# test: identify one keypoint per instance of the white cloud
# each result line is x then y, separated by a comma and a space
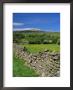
17, 24
18, 29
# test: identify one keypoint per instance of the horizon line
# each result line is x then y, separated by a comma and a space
38, 29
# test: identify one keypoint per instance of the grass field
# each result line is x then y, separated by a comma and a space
35, 48
21, 70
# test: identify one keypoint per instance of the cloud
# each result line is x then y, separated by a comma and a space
17, 24
22, 29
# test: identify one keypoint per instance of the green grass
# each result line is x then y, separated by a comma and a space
35, 48
22, 70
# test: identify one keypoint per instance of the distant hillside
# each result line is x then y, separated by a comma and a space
33, 31
29, 31
36, 37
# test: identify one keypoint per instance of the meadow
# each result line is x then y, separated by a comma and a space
20, 69
35, 48
34, 42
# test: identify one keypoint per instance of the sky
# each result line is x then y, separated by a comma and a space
40, 21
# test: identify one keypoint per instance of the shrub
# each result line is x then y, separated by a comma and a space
45, 42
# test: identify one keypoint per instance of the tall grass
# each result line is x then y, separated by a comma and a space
22, 70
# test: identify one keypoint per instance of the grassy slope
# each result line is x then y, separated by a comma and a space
35, 48
21, 70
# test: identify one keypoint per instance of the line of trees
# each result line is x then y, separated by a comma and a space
36, 38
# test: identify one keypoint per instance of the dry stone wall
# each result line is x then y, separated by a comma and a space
45, 63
